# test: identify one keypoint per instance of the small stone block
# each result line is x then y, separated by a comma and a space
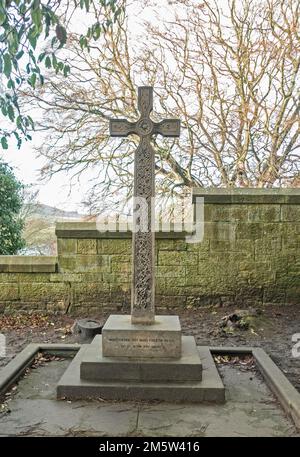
88, 328
121, 338
95, 367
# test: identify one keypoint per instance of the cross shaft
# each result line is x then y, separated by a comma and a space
143, 234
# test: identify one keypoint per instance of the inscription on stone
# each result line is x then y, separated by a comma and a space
140, 343
120, 338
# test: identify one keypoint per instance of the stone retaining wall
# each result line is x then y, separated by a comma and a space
249, 256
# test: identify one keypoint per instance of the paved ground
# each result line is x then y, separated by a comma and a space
250, 410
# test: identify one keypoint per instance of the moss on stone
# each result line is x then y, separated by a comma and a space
86, 247
249, 255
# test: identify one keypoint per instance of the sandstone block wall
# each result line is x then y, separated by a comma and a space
249, 255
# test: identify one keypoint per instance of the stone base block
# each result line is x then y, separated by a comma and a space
210, 389
95, 367
121, 338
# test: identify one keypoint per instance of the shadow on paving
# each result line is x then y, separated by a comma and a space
250, 410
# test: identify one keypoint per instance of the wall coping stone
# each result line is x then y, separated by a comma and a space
247, 195
88, 230
27, 264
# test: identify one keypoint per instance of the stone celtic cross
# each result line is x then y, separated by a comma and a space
143, 234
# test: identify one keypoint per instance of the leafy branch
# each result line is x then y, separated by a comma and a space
24, 25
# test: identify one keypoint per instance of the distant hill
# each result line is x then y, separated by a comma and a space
39, 230
41, 211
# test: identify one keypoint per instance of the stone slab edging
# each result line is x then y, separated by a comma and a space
289, 196
287, 395
279, 384
89, 230
16, 367
27, 264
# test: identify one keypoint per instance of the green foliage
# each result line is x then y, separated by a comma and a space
11, 200
24, 24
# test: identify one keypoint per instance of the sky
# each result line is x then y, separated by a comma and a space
26, 163
54, 192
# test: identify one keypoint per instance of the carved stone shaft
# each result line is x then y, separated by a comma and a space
143, 237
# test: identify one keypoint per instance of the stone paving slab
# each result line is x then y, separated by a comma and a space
250, 410
44, 417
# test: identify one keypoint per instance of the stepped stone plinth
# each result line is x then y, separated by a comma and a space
96, 367
191, 378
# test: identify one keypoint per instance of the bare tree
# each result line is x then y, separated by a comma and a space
237, 90
40, 237
229, 70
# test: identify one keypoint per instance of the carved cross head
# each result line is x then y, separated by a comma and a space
145, 127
